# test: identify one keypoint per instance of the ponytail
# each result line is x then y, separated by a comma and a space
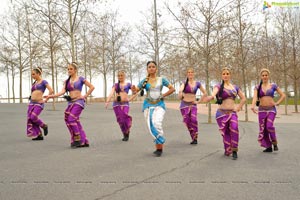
118, 90
144, 85
185, 84
67, 97
67, 82
258, 91
219, 95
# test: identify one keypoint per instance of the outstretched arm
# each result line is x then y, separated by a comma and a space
109, 96
254, 101
63, 90
135, 92
204, 94
50, 92
180, 93
49, 89
212, 96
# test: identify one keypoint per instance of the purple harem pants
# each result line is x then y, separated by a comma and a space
121, 110
33, 122
72, 114
189, 114
266, 117
228, 126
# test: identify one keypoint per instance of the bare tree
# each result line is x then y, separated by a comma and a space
202, 26
242, 30
281, 18
116, 36
153, 36
8, 59
15, 39
294, 40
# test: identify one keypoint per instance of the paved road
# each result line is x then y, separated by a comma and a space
112, 169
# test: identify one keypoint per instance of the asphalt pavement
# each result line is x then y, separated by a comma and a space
113, 169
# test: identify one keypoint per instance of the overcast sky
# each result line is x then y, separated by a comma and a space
132, 11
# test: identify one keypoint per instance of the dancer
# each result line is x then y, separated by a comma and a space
188, 105
264, 99
154, 106
36, 105
76, 103
121, 104
226, 114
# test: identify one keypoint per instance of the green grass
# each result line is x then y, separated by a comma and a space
290, 101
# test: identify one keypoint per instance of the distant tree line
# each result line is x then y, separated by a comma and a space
204, 34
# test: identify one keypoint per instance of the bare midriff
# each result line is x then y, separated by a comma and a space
37, 96
189, 97
227, 104
75, 94
124, 97
266, 101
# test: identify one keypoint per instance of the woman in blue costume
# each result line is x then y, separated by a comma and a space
154, 106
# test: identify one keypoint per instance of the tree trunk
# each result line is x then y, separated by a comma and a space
296, 96
242, 57
8, 86
13, 82
71, 31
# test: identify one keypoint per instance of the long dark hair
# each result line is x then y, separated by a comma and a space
185, 84
67, 82
219, 94
67, 97
144, 84
118, 90
258, 91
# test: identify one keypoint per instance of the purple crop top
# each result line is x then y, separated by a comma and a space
77, 85
124, 88
229, 93
192, 90
39, 86
270, 92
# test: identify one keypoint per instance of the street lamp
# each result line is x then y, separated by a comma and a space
156, 56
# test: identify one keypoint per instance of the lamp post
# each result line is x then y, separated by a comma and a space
156, 50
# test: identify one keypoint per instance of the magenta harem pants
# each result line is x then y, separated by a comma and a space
124, 120
267, 135
228, 126
72, 114
33, 121
189, 114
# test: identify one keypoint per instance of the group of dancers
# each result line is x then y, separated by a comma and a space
154, 107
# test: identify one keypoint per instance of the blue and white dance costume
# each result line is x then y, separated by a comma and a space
154, 109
